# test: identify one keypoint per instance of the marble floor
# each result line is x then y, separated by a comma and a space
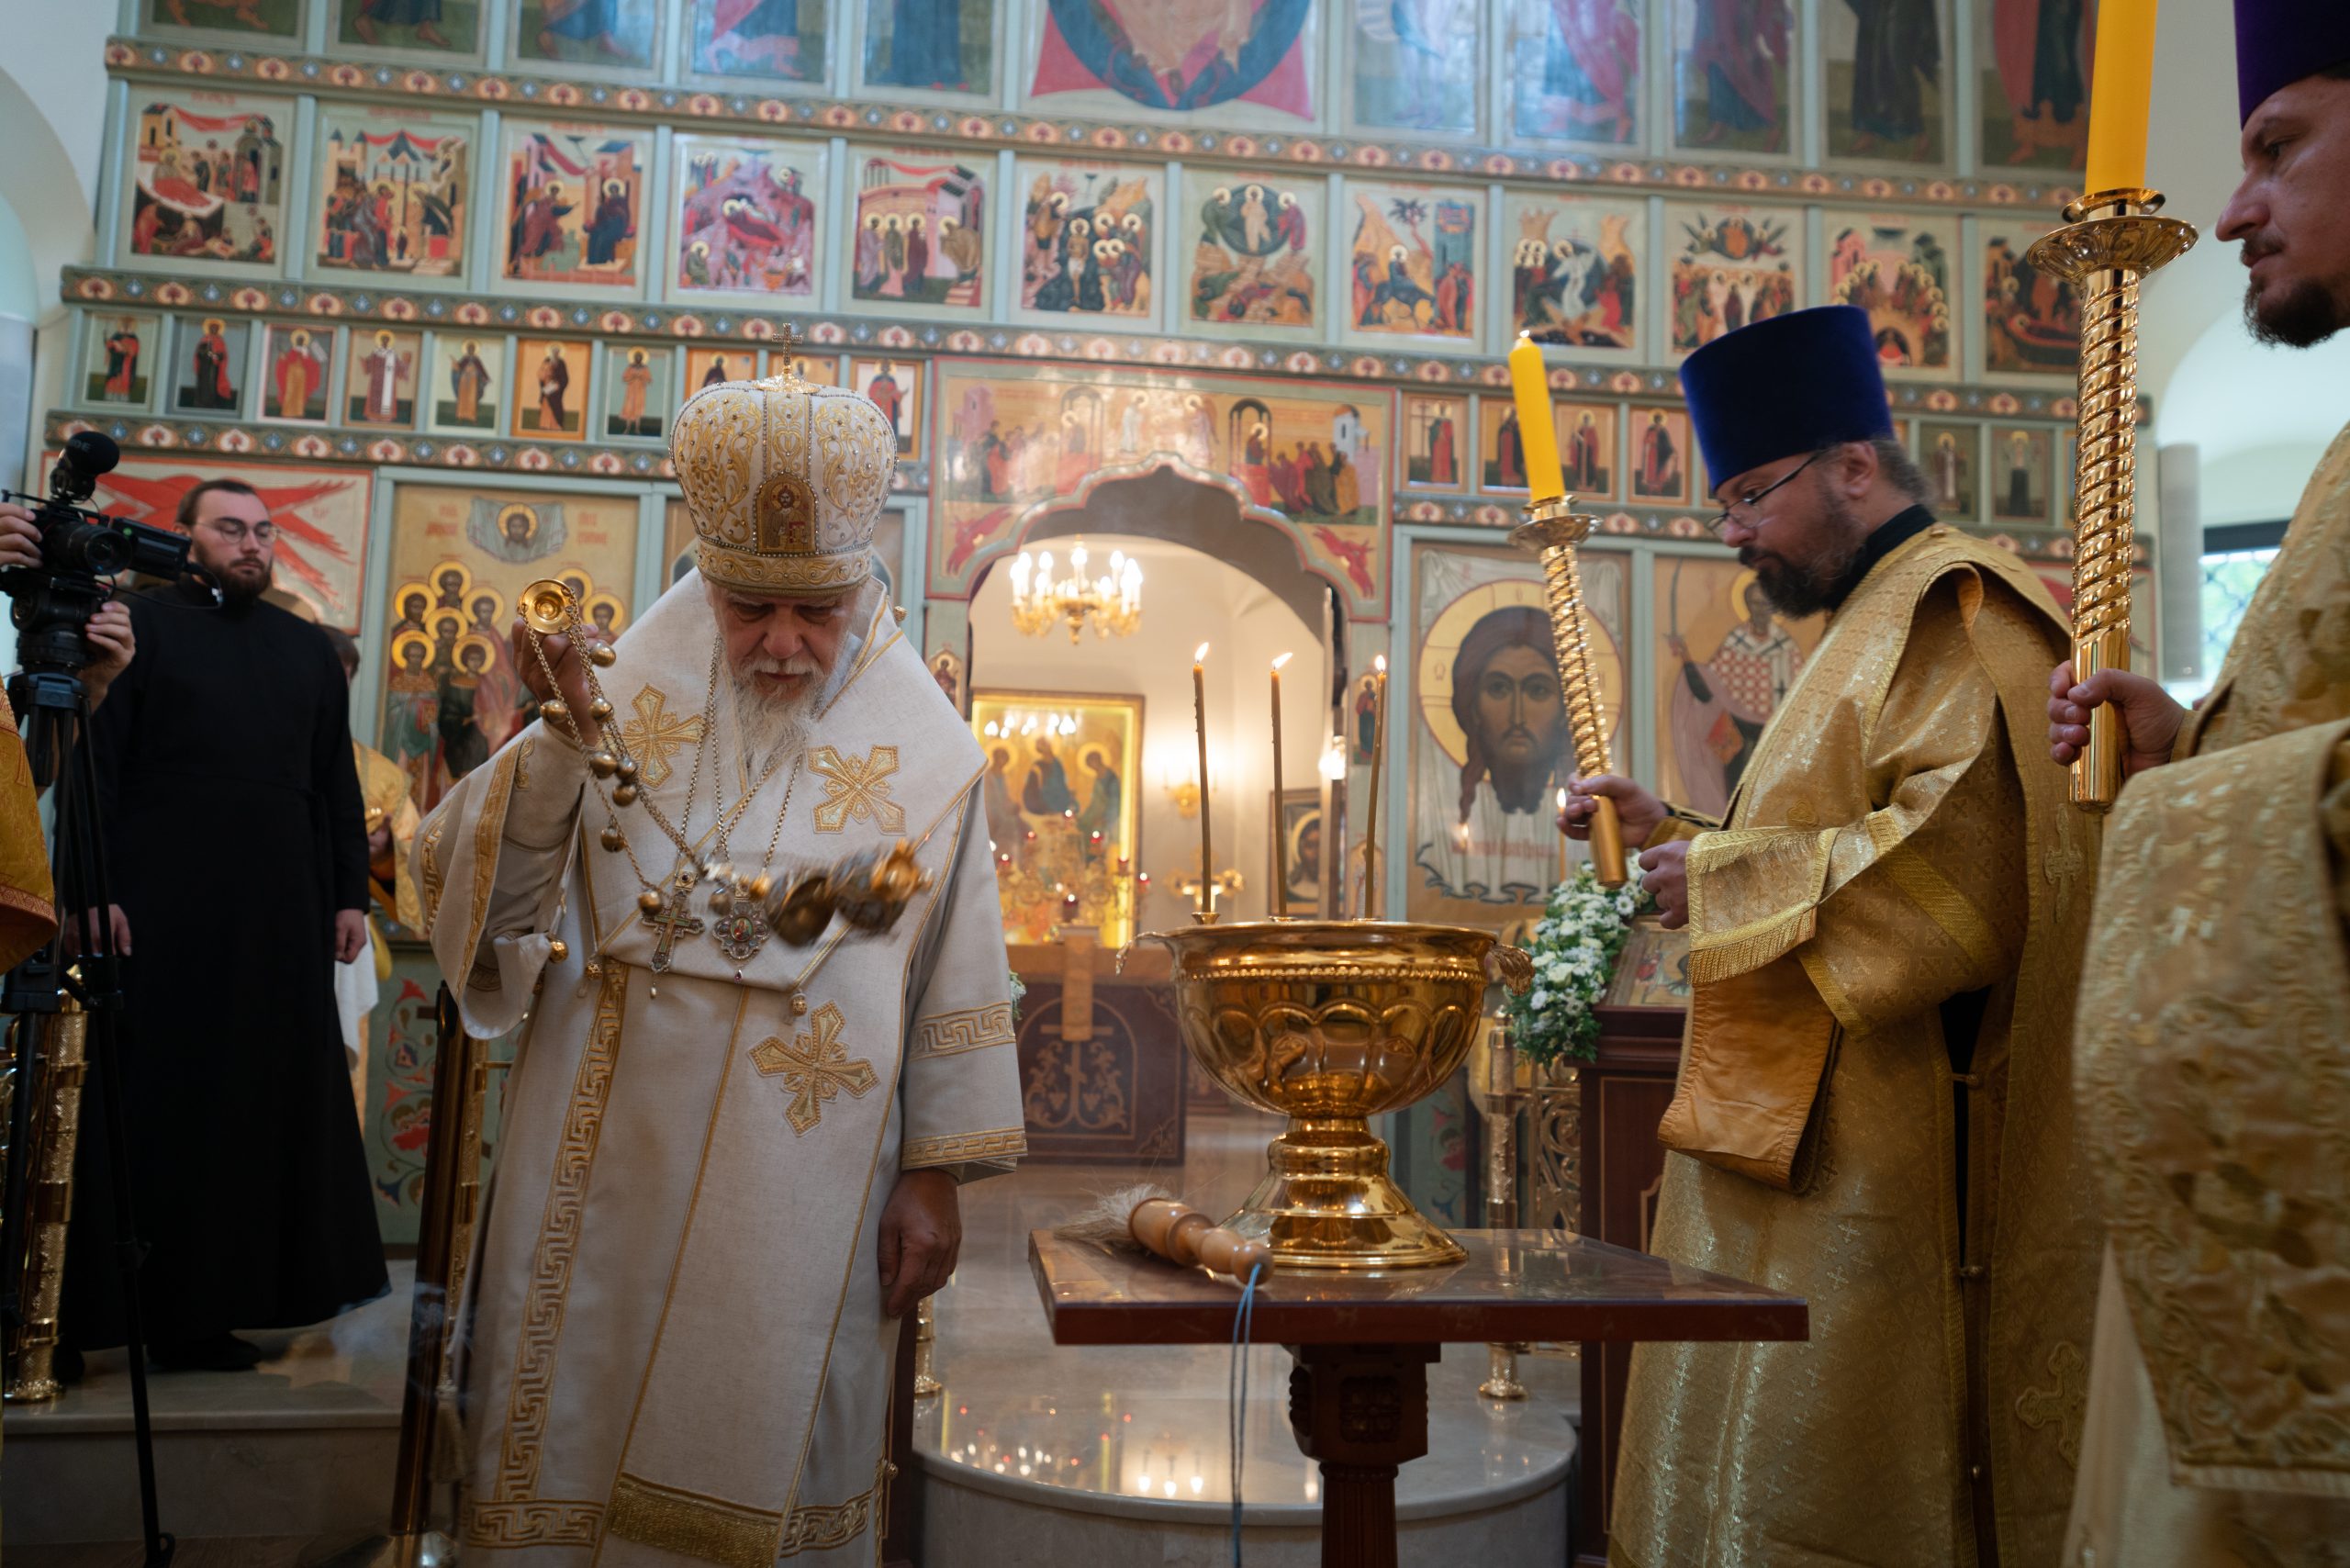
301, 1451
1111, 1427
301, 1446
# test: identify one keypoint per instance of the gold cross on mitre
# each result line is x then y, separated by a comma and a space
815, 1067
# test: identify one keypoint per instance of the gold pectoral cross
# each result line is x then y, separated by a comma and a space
815, 1067
674, 921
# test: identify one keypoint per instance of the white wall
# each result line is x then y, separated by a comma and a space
1188, 599
2260, 416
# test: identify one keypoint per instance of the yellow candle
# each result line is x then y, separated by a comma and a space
1544, 479
1281, 835
2118, 94
1378, 758
1199, 722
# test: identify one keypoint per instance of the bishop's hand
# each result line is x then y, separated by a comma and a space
2150, 717
570, 681
922, 1233
1636, 808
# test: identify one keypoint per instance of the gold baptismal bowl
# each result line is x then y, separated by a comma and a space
1330, 1022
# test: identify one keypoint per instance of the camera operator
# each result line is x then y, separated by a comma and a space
231, 808
110, 631
27, 916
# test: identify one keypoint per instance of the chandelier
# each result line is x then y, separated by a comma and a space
1113, 603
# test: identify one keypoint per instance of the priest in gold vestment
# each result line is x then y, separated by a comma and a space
729, 1161
1874, 1109
2215, 1004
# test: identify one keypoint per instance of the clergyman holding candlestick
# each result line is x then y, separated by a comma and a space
2213, 995
1874, 1107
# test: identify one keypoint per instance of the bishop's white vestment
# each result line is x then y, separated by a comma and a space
676, 1350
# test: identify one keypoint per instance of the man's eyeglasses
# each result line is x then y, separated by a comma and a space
1720, 522
234, 531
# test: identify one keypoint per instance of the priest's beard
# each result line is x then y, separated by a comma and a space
773, 727
2299, 317
1798, 589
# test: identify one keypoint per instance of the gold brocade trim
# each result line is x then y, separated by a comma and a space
973, 1029
1717, 956
961, 1147
1927, 888
523, 761
824, 1526
430, 856
541, 1521
856, 787
805, 574
535, 1348
490, 831
1832, 993
692, 1525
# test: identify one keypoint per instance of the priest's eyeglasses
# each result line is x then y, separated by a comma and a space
1720, 522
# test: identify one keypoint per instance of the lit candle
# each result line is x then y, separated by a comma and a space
1378, 756
2120, 93
1544, 479
1207, 911
1563, 837
1281, 837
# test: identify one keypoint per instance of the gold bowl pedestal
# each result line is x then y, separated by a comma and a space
1330, 1023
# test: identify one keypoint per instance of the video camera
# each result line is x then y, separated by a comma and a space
80, 550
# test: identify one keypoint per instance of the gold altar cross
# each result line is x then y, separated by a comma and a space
815, 1067
674, 921
858, 787
655, 735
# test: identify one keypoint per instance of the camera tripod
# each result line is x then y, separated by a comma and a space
54, 708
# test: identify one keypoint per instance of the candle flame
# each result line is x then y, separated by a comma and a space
1199, 652
1282, 660
1562, 797
1379, 664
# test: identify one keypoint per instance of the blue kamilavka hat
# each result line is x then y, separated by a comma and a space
1788, 384
2280, 41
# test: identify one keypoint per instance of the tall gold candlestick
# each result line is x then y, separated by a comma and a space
1370, 808
1280, 836
2110, 241
1553, 530
1205, 913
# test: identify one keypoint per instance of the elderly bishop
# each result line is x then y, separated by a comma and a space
730, 1160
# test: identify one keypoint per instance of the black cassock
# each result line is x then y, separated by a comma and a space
234, 832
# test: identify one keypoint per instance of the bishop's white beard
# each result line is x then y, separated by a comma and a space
772, 728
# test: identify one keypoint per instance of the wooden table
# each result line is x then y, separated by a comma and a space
1358, 1391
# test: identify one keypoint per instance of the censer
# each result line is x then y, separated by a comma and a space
869, 889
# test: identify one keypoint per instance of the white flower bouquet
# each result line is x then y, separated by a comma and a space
1574, 946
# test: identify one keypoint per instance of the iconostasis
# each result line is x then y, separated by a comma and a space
434, 275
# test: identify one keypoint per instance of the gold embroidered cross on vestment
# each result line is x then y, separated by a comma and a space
815, 1067
655, 735
858, 787
2064, 862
